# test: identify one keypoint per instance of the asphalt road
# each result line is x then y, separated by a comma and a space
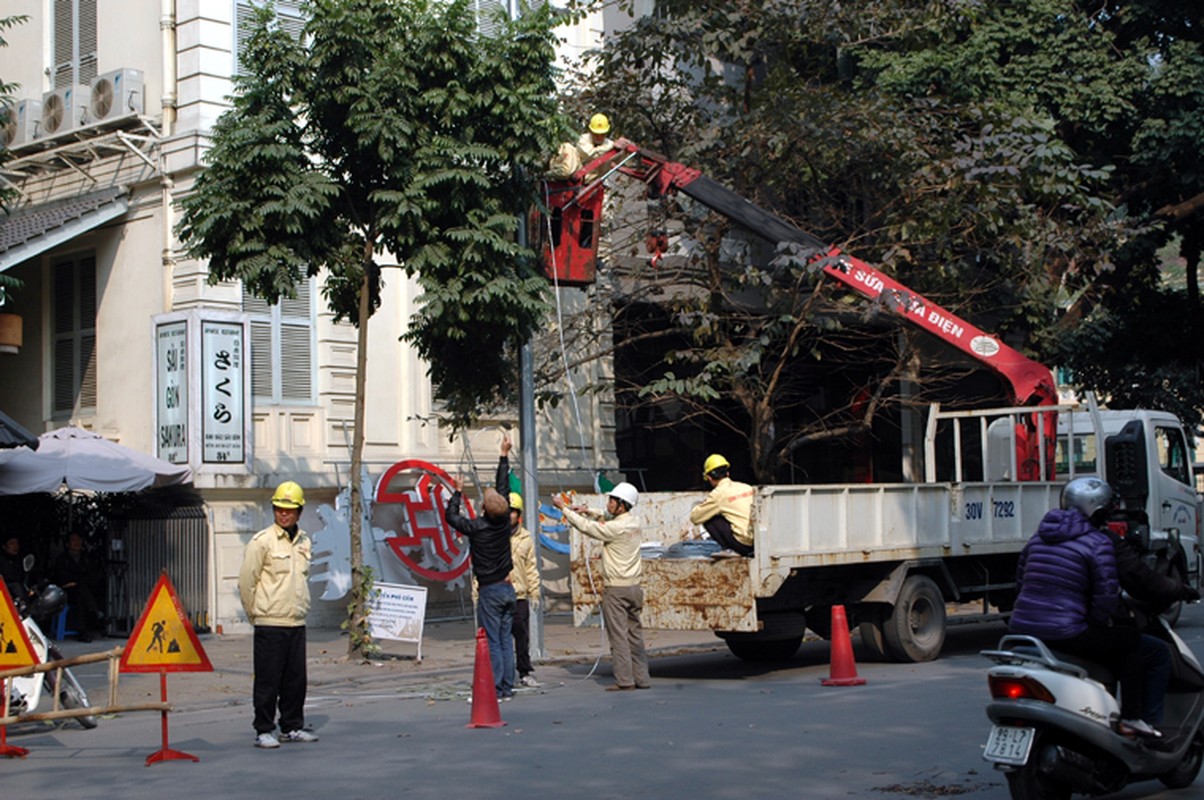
712, 727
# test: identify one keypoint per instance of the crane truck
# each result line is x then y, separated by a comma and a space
896, 556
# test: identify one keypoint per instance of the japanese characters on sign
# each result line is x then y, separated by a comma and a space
223, 364
171, 391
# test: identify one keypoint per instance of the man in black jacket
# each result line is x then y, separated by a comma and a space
1144, 584
489, 548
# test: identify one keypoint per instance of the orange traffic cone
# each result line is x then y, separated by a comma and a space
843, 670
485, 712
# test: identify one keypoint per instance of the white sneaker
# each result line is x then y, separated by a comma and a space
1138, 727
529, 680
298, 736
267, 741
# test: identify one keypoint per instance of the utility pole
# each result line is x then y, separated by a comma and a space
528, 441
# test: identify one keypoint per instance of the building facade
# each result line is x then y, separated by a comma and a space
124, 335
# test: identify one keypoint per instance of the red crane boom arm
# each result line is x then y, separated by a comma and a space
1031, 383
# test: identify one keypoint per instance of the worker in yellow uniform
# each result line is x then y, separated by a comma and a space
273, 585
595, 141
726, 512
592, 143
525, 577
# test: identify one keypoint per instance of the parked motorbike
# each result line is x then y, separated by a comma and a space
27, 692
1055, 729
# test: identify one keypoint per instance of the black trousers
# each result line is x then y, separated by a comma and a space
280, 680
721, 531
1117, 647
522, 638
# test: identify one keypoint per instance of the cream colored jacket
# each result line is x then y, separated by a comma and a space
273, 583
620, 537
525, 575
733, 500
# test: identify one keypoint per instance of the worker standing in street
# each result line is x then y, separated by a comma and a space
622, 597
273, 586
726, 512
525, 577
489, 548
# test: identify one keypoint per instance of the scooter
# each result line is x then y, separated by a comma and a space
1056, 725
28, 691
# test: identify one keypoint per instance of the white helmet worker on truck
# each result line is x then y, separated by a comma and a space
726, 512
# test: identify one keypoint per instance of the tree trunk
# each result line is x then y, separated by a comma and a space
357, 620
1190, 250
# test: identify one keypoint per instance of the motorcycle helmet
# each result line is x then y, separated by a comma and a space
48, 603
1088, 496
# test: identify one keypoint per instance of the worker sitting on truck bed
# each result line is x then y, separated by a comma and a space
726, 511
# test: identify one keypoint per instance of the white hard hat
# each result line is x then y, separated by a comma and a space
625, 492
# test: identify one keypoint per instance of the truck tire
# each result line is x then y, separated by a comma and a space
871, 623
915, 629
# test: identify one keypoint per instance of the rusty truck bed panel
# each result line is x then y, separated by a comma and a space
679, 594
797, 527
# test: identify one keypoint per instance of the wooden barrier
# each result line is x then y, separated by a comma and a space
57, 712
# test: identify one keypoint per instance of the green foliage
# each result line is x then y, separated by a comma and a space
391, 129
1018, 163
1134, 357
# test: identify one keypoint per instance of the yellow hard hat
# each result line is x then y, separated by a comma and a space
288, 495
516, 501
598, 123
714, 461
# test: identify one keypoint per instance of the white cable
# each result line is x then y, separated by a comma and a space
580, 425
564, 359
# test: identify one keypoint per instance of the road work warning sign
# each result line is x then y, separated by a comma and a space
15, 648
164, 639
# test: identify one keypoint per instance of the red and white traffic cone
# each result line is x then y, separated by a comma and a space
843, 670
485, 711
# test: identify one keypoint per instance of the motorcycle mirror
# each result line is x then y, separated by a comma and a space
27, 562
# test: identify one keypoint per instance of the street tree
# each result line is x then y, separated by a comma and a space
929, 139
392, 132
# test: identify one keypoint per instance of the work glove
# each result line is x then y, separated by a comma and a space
1189, 593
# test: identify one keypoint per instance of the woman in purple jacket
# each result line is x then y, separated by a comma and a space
1069, 594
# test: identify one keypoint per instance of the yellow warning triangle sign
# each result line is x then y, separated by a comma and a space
15, 648
164, 639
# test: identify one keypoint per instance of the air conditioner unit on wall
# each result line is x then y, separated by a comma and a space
63, 110
19, 123
115, 95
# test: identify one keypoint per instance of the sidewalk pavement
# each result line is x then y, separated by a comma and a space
448, 653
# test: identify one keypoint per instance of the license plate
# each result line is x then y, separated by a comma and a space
1008, 745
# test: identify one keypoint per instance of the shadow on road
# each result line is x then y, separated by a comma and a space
965, 639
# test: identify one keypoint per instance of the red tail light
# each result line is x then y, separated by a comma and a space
1009, 688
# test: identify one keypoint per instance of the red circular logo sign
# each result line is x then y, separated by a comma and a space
428, 545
